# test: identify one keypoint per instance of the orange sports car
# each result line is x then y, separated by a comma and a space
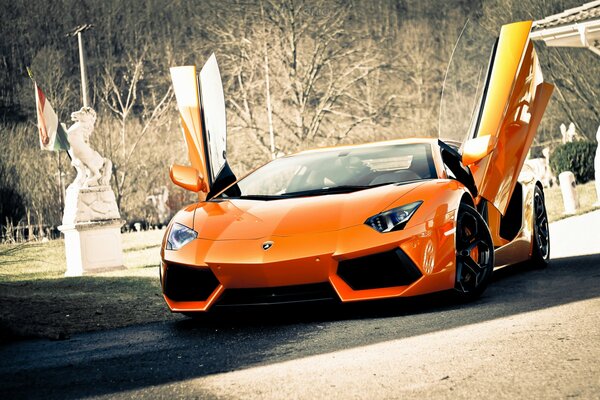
372, 221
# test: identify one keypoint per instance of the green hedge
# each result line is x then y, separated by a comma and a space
577, 157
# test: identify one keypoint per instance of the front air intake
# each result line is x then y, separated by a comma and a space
183, 283
381, 270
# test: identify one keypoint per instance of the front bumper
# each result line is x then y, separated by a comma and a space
357, 263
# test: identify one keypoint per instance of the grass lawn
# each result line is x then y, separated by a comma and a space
554, 202
37, 301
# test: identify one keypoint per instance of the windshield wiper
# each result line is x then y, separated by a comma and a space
312, 192
336, 189
328, 190
254, 197
302, 193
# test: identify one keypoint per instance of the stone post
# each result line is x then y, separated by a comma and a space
569, 192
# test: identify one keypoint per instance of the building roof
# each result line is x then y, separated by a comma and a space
586, 12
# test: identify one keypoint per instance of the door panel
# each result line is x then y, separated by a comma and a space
185, 85
201, 104
215, 120
515, 100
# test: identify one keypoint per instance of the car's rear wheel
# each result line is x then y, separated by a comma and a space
474, 254
540, 252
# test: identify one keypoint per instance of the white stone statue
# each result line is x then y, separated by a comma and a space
541, 168
92, 168
159, 204
89, 198
568, 135
91, 220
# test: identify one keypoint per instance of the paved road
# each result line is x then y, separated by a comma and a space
534, 334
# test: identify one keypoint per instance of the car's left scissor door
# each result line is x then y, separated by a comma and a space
201, 105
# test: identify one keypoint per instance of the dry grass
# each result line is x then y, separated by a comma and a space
37, 260
37, 301
554, 202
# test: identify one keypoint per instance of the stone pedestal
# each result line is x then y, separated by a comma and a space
92, 228
97, 203
93, 247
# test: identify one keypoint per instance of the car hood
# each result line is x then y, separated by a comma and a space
238, 219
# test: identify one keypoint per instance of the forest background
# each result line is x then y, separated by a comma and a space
339, 72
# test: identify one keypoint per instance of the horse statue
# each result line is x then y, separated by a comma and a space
92, 168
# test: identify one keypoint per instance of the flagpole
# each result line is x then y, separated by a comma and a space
84, 91
84, 86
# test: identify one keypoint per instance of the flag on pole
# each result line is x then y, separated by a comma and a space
53, 135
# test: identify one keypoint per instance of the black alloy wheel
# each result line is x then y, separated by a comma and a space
540, 252
474, 254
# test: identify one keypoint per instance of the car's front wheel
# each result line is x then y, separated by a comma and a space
474, 254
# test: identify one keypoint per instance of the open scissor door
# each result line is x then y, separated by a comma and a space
513, 102
201, 104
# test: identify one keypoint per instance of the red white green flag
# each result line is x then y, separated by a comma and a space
52, 134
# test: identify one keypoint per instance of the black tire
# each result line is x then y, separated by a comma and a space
540, 252
474, 254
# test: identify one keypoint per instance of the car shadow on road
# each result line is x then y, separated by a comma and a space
156, 354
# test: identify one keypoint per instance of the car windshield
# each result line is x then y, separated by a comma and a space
339, 171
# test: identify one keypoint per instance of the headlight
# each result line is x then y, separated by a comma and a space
179, 236
394, 219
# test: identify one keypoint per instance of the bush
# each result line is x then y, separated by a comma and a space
577, 157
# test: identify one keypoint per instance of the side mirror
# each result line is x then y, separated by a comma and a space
186, 177
476, 149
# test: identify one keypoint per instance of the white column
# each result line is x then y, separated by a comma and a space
569, 192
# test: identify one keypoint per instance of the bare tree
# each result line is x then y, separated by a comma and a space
319, 63
122, 95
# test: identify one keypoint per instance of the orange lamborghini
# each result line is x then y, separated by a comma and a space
380, 220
